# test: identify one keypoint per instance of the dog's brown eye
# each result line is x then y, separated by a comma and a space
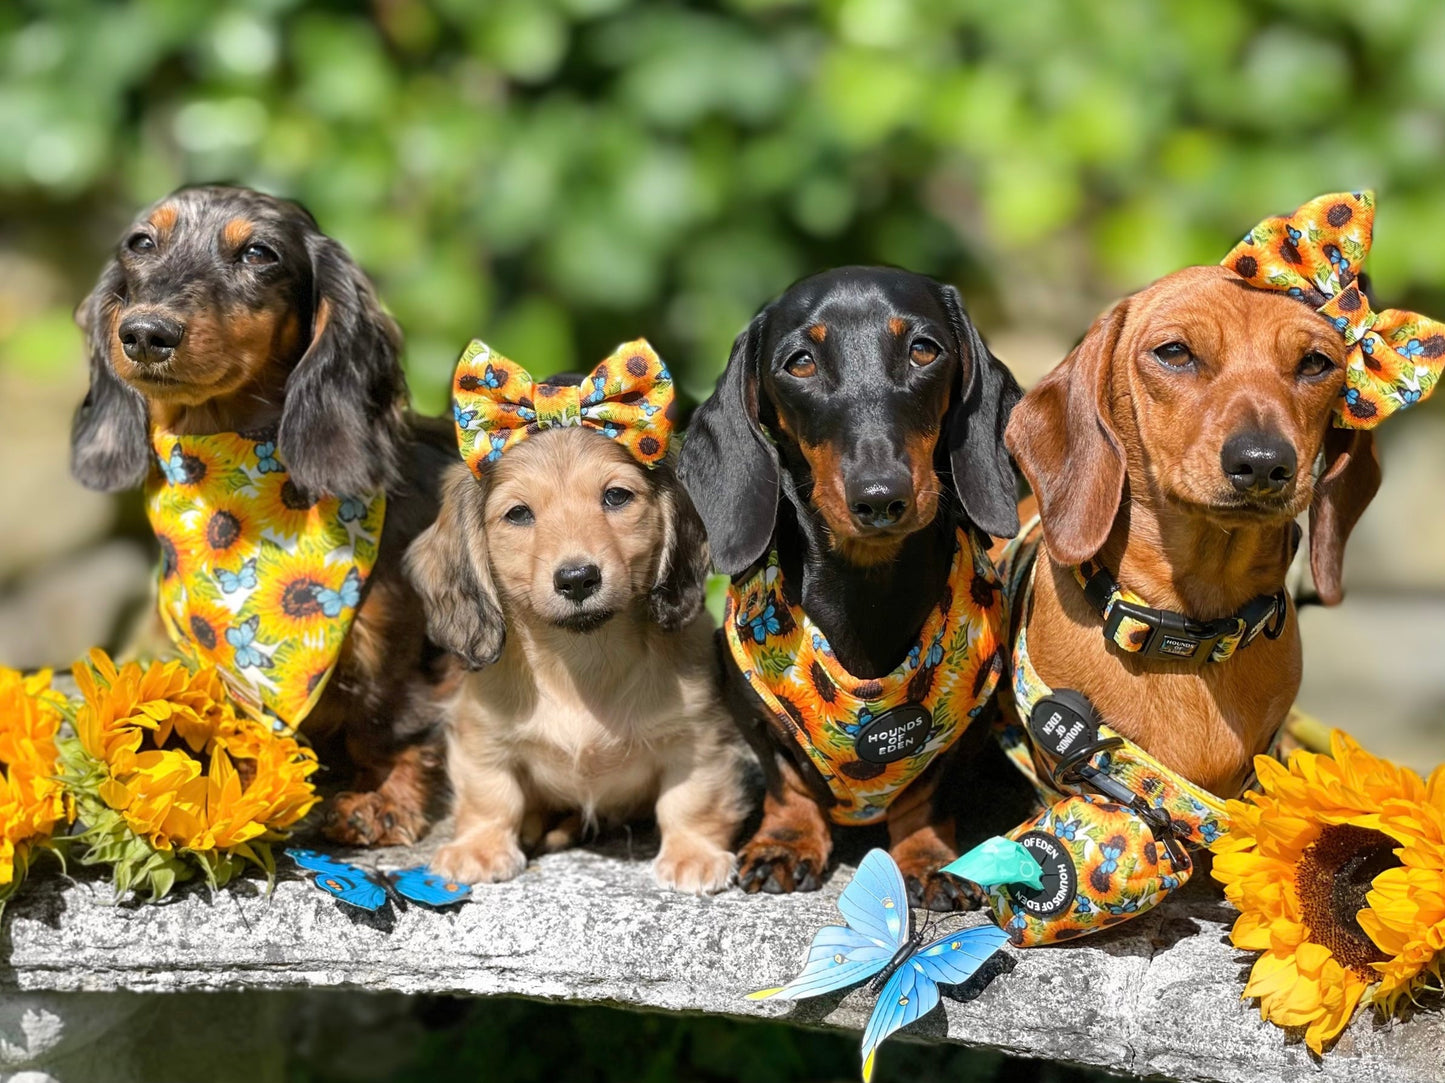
258, 254
520, 515
140, 242
1174, 354
616, 497
923, 352
1314, 364
801, 365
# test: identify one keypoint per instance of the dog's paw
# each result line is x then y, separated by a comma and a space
370, 819
694, 867
488, 859
777, 866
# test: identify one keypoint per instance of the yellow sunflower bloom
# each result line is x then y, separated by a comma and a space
1337, 866
32, 800
162, 759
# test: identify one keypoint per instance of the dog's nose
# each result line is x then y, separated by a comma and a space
880, 501
577, 582
149, 338
1260, 463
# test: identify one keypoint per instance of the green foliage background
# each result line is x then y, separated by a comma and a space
559, 175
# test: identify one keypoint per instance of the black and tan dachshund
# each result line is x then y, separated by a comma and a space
227, 310
858, 425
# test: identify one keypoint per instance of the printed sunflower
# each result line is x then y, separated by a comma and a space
169, 781
32, 800
1337, 866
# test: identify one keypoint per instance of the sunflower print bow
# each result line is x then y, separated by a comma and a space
496, 403
1314, 255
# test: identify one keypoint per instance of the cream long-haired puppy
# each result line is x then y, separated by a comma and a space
570, 579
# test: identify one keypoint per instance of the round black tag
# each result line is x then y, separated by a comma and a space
894, 734
1060, 880
1063, 721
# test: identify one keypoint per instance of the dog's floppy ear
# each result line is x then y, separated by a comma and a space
1067, 448
1350, 480
341, 425
730, 468
983, 477
448, 566
680, 585
108, 443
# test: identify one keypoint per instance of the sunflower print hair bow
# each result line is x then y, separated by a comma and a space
496, 403
1315, 255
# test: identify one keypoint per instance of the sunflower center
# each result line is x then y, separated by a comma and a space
1333, 877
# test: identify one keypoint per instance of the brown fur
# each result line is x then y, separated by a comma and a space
587, 725
818, 332
164, 217
236, 232
897, 325
1124, 458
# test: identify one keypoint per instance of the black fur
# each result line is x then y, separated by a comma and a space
752, 484
108, 445
341, 421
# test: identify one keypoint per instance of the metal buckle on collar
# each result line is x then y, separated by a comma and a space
1172, 637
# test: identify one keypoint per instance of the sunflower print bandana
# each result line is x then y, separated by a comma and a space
869, 739
1315, 255
496, 403
257, 578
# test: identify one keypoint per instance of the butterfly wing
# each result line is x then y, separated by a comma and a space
838, 957
875, 902
907, 995
913, 990
348, 883
420, 884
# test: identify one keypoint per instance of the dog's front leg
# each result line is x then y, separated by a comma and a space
490, 805
921, 840
699, 808
793, 843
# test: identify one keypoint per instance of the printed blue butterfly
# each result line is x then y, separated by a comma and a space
266, 461
878, 942
243, 638
243, 578
765, 624
332, 602
464, 418
174, 468
352, 509
354, 886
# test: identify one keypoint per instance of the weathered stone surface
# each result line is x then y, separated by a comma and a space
1158, 997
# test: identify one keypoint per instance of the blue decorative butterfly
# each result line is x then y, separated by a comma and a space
266, 461
1110, 863
356, 887
1294, 234
243, 638
765, 624
351, 509
332, 602
243, 578
878, 942
464, 418
498, 440
175, 468
492, 378
598, 392
1409, 396
1412, 348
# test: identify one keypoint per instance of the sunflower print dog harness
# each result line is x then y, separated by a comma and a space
257, 578
1115, 834
869, 739
496, 403
1314, 255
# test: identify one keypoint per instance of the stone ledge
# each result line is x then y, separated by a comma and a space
1158, 997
